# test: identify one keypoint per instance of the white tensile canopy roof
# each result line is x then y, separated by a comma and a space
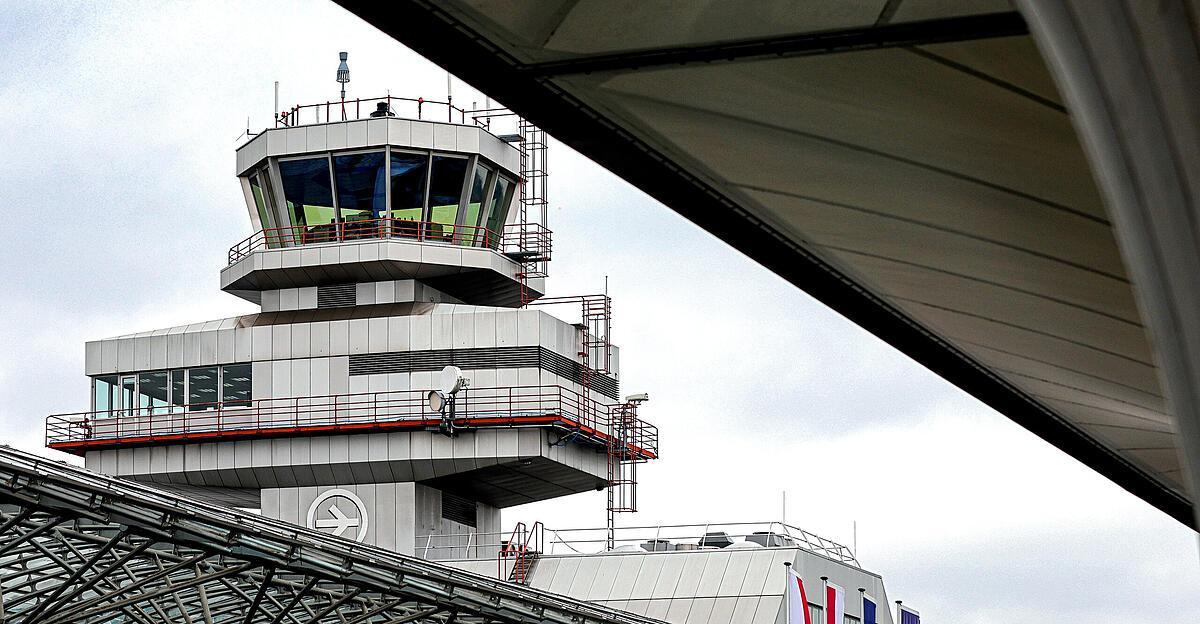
910, 163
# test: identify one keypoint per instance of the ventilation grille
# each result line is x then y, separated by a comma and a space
480, 358
566, 367
336, 296
412, 361
458, 509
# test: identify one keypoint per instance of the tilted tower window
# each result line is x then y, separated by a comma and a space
497, 212
474, 211
260, 202
308, 192
446, 181
361, 186
408, 176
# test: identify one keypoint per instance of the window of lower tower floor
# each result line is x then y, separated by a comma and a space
308, 193
446, 181
104, 393
361, 189
203, 388
164, 391
235, 385
178, 397
408, 175
153, 392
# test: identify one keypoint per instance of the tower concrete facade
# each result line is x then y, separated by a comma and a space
385, 251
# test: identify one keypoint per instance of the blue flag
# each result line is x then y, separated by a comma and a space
908, 615
868, 610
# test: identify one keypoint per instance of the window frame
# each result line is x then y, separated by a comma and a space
387, 172
112, 393
485, 213
328, 156
470, 238
425, 189
237, 404
277, 200
462, 193
511, 194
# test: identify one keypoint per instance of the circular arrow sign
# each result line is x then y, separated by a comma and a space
339, 512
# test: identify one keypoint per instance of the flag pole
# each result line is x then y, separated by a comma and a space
825, 597
787, 592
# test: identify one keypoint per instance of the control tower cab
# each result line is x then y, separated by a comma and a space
386, 249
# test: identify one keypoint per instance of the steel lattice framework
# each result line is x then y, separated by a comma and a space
78, 547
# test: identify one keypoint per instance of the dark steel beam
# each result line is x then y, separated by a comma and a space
258, 596
333, 605
416, 616
427, 28
296, 598
966, 28
100, 553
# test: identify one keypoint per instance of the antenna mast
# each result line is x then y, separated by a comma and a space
343, 77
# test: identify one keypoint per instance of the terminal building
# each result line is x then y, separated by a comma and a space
402, 385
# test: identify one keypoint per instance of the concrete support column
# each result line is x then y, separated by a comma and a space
1129, 71
404, 517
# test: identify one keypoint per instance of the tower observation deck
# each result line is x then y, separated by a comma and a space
387, 246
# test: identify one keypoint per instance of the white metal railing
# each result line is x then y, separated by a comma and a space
666, 537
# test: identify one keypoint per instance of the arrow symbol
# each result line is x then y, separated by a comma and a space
339, 523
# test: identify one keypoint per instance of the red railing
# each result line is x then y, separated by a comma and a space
522, 239
521, 406
359, 108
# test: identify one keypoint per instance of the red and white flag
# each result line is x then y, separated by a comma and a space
797, 601
835, 604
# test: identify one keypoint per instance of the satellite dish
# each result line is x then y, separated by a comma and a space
436, 400
451, 380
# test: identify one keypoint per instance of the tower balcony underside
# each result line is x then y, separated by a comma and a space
477, 275
498, 467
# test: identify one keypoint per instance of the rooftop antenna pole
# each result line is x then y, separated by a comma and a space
449, 101
784, 514
343, 77
277, 102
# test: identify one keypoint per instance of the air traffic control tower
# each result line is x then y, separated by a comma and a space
399, 379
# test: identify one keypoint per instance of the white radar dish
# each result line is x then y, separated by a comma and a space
451, 380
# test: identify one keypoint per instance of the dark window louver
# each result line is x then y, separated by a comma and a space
458, 509
336, 296
480, 358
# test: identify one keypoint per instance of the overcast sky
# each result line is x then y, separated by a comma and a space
117, 131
